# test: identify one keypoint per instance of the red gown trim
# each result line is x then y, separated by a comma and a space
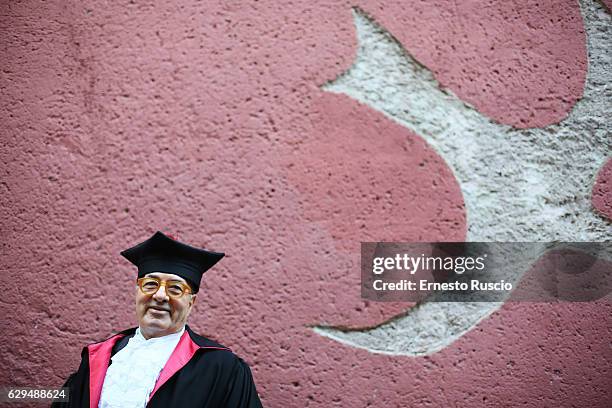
184, 350
99, 357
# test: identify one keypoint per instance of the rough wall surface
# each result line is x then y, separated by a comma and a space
531, 184
222, 123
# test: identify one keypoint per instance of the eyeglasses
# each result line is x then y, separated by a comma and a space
174, 289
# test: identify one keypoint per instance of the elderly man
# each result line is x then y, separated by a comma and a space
162, 362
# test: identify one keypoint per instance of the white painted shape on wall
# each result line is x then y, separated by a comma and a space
518, 184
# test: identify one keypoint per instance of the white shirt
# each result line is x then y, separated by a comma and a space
134, 370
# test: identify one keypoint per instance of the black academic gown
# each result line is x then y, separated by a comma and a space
199, 373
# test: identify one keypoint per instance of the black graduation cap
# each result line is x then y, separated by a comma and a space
161, 253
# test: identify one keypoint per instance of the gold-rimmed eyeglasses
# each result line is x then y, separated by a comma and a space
175, 289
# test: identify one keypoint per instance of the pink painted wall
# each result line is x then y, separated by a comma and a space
206, 120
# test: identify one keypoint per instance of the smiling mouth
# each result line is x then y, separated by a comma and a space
158, 309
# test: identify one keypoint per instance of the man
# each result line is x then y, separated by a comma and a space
162, 362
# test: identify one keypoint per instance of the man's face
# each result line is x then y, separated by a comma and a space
159, 315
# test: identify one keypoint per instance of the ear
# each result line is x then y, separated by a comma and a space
192, 300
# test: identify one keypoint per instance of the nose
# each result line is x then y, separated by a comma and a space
161, 295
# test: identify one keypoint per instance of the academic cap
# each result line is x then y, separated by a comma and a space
161, 253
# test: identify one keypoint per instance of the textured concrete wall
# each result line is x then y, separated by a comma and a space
285, 133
